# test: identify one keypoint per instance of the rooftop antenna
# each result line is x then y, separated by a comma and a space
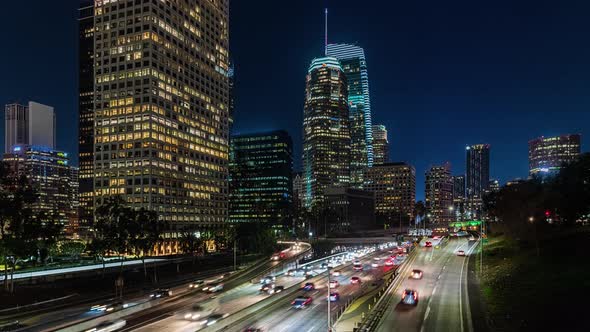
326, 32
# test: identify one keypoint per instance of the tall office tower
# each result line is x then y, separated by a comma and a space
326, 130
394, 185
439, 194
352, 59
162, 107
86, 112
477, 177
380, 145
261, 178
33, 124
358, 146
231, 85
459, 194
548, 154
48, 172
16, 126
73, 228
298, 190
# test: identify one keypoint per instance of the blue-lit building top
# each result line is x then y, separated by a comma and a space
353, 62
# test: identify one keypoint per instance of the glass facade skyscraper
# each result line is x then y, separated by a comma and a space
477, 177
261, 178
354, 65
326, 130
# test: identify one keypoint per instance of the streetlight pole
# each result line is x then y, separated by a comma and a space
235, 256
329, 301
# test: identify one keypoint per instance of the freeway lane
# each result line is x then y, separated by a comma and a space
443, 303
282, 317
163, 308
168, 315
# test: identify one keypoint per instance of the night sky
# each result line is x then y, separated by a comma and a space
442, 74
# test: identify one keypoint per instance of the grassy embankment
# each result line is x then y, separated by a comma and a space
526, 292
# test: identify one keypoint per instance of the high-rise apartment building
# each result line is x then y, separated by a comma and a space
161, 108
380, 145
354, 65
33, 124
477, 177
261, 178
439, 194
326, 130
548, 154
86, 112
49, 173
394, 185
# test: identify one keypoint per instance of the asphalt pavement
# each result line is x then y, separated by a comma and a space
282, 317
442, 292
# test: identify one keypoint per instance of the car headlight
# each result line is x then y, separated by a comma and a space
187, 316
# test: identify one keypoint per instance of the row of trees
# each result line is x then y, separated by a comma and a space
527, 210
26, 236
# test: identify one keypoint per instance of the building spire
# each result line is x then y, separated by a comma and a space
326, 32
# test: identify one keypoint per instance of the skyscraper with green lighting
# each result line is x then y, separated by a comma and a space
261, 178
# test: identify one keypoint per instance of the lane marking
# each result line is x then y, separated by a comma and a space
461, 284
434, 291
427, 313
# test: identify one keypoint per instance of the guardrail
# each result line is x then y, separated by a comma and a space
385, 296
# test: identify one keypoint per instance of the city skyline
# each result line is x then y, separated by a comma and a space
407, 101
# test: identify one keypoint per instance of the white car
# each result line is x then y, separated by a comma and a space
336, 273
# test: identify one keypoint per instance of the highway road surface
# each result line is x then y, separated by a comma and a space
282, 317
182, 297
443, 303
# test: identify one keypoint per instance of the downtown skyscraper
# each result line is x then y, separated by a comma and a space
160, 114
439, 194
477, 176
326, 130
354, 65
261, 178
86, 112
380, 145
548, 154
